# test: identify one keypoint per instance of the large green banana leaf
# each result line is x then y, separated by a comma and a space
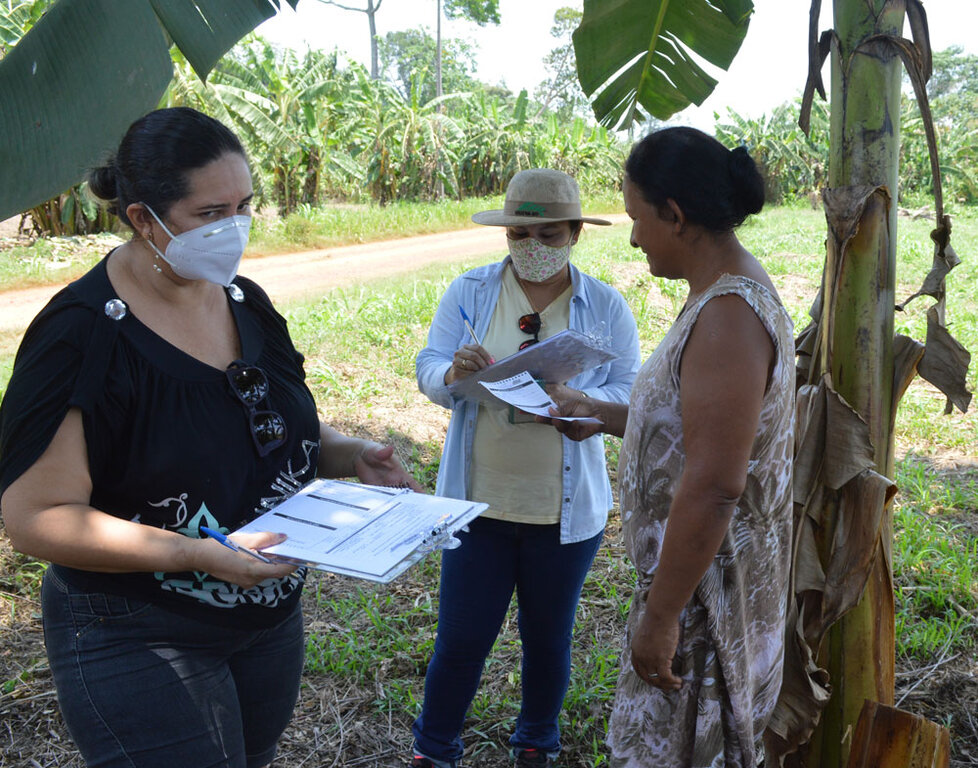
87, 69
634, 56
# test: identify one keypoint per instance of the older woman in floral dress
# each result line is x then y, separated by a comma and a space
705, 470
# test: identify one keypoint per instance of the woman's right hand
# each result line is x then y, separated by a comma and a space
239, 567
570, 403
468, 359
613, 417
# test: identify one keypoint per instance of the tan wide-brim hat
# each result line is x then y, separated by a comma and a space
538, 196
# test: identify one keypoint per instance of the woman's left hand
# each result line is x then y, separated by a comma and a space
653, 649
377, 465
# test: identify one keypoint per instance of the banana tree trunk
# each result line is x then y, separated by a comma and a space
856, 344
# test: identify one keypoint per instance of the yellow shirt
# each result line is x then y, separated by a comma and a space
516, 468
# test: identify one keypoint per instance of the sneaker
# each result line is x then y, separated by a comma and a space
420, 761
533, 758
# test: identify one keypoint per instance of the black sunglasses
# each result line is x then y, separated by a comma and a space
530, 324
250, 385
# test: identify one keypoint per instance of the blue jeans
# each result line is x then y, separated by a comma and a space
142, 687
477, 583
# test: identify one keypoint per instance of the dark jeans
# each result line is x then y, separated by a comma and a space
142, 687
477, 583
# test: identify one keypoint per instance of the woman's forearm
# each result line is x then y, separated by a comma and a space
698, 521
79, 536
614, 416
54, 520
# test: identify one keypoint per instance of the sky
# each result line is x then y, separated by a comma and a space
769, 69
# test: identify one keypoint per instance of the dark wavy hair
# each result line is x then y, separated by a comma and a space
715, 187
155, 156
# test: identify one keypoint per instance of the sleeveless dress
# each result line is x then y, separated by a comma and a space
732, 631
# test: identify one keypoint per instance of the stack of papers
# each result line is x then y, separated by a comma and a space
363, 531
556, 359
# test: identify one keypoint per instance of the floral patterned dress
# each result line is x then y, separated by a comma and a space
732, 631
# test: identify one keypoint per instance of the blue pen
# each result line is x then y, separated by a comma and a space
222, 539
468, 325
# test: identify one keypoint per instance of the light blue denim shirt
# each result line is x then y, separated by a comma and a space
586, 493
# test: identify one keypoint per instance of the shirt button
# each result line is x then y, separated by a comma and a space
566, 469
567, 499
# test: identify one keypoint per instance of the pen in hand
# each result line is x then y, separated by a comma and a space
468, 326
222, 539
470, 329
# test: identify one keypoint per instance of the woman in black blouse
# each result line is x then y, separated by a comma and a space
157, 395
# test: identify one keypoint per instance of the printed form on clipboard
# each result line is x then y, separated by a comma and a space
365, 531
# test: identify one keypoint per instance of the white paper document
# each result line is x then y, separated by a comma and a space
557, 358
362, 530
521, 391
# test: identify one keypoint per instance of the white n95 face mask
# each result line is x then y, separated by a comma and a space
212, 252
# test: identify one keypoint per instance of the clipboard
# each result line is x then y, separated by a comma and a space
557, 358
364, 531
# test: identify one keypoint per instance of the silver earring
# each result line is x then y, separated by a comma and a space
156, 257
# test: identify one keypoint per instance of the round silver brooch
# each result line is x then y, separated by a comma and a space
116, 309
235, 293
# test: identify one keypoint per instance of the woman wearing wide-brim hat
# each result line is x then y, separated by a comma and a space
548, 496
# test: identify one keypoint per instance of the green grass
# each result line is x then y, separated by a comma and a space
52, 261
334, 225
360, 346
935, 559
362, 615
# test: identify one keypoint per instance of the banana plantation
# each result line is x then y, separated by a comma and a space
795, 163
319, 129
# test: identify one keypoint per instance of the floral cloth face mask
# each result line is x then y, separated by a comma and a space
536, 262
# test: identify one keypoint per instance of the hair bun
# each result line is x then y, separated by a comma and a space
103, 181
747, 180
716, 188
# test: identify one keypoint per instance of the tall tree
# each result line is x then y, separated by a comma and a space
407, 60
286, 108
372, 6
953, 88
561, 91
481, 12
840, 647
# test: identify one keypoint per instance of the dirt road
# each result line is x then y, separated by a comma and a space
310, 273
